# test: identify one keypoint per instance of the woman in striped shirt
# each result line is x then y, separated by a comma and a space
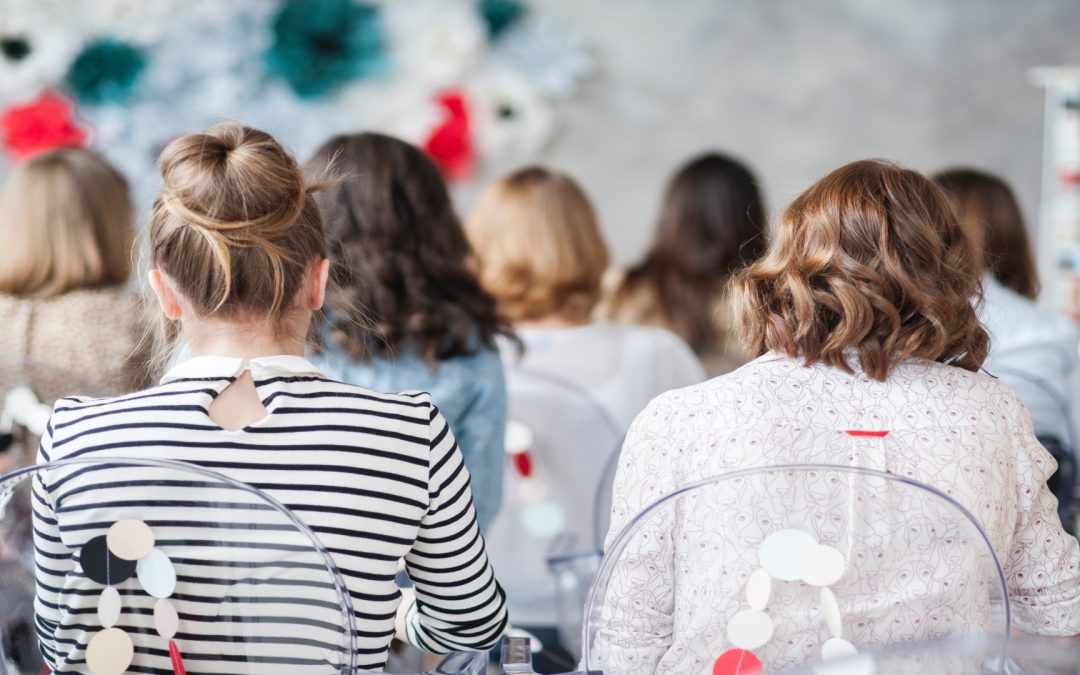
238, 258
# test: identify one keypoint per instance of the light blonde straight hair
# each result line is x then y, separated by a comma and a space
538, 246
65, 223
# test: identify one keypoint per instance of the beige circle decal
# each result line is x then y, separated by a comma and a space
130, 539
109, 652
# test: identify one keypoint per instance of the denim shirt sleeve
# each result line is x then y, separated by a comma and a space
481, 435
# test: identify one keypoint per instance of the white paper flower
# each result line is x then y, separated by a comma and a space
433, 43
508, 115
553, 60
38, 44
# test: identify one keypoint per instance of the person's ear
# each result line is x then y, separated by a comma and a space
170, 305
316, 290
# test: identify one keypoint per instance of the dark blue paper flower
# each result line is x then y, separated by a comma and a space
320, 44
500, 15
105, 71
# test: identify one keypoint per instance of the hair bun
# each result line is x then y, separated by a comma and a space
232, 178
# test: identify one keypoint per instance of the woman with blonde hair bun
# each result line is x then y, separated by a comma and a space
239, 266
869, 352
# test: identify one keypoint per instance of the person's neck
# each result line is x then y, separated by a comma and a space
244, 342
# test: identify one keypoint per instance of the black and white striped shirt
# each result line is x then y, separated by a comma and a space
377, 477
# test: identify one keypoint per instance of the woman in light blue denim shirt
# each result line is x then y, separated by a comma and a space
400, 261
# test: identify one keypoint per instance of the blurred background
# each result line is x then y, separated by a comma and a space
615, 92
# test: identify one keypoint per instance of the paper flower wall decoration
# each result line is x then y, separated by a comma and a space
321, 44
42, 125
500, 15
304, 70
105, 72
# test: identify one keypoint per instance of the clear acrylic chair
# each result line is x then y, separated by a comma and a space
236, 584
546, 540
975, 655
790, 565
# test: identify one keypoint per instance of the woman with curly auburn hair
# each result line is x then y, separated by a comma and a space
869, 356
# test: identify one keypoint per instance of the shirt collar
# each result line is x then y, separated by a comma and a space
282, 365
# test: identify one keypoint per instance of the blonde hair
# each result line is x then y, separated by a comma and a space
870, 262
235, 227
65, 223
538, 246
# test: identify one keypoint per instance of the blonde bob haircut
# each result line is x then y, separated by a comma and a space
869, 263
538, 246
65, 223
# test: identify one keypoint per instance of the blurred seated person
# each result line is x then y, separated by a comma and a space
861, 315
70, 320
400, 256
712, 224
67, 233
578, 383
1032, 349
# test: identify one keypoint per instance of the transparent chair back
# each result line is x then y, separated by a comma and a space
170, 561
546, 540
409, 660
975, 655
28, 389
788, 565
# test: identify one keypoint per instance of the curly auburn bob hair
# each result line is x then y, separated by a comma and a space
870, 262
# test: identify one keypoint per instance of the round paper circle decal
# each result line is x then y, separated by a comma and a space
821, 565
781, 551
532, 490
758, 589
157, 574
544, 520
749, 629
101, 565
737, 662
841, 658
837, 648
166, 621
108, 607
109, 652
519, 438
831, 609
130, 539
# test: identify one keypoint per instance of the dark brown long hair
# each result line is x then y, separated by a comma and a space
871, 261
398, 252
712, 224
987, 206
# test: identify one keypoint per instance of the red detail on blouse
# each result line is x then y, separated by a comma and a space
863, 433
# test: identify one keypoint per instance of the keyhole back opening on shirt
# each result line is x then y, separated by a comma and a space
238, 405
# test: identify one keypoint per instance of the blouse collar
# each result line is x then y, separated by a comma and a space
264, 367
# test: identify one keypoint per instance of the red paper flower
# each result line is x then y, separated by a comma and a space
450, 143
45, 124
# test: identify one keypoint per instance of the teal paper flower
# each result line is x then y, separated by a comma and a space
321, 44
105, 71
500, 15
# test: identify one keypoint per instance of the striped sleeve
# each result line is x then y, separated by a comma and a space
52, 560
459, 605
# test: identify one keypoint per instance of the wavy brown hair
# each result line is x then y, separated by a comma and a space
871, 262
398, 253
712, 224
988, 208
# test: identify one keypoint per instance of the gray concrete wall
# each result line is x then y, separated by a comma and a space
797, 87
